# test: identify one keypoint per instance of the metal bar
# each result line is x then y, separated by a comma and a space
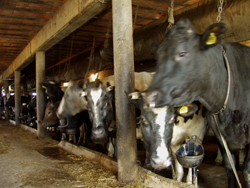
124, 83
40, 95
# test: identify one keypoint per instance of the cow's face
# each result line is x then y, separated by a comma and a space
183, 70
157, 130
100, 109
50, 117
72, 102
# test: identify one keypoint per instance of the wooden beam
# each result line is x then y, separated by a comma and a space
72, 15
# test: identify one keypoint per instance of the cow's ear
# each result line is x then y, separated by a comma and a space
43, 85
85, 84
187, 110
213, 35
136, 99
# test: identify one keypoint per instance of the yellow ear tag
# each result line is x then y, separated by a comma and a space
183, 110
43, 87
84, 86
211, 39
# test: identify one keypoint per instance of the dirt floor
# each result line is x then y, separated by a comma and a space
28, 162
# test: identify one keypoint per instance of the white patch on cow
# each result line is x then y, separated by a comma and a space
162, 151
60, 108
96, 94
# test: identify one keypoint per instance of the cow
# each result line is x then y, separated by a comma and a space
100, 105
72, 103
79, 126
196, 67
165, 129
53, 91
50, 118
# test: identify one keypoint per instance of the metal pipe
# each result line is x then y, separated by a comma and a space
17, 96
124, 83
40, 100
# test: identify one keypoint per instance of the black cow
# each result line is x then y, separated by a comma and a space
78, 125
191, 67
53, 91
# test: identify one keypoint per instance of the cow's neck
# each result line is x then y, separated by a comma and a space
217, 86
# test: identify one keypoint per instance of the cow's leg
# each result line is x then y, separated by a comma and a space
178, 170
232, 183
241, 157
219, 158
246, 167
190, 176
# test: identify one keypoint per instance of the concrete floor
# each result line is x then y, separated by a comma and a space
28, 158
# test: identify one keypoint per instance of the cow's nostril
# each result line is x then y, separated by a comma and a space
158, 161
161, 163
97, 132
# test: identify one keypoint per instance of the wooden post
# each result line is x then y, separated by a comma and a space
17, 96
124, 84
6, 90
40, 95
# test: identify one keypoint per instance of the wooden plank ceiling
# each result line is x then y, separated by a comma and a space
21, 20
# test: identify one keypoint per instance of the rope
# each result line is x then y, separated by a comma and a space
108, 31
171, 14
227, 150
136, 13
91, 55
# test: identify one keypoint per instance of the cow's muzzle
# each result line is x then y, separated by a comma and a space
99, 135
158, 163
151, 98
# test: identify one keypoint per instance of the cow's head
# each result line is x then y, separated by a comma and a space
184, 64
53, 91
72, 102
32, 103
157, 126
50, 117
100, 109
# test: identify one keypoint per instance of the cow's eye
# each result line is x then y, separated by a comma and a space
179, 56
143, 119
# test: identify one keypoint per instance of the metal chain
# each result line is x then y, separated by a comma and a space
221, 9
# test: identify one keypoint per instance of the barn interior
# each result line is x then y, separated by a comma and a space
76, 36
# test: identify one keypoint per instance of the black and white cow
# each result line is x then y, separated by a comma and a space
165, 129
191, 67
100, 106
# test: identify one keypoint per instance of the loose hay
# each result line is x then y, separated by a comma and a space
92, 175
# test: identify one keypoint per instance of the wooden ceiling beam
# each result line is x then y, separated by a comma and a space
40, 2
72, 15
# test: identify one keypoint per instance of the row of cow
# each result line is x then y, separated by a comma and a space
95, 103
207, 76
193, 73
